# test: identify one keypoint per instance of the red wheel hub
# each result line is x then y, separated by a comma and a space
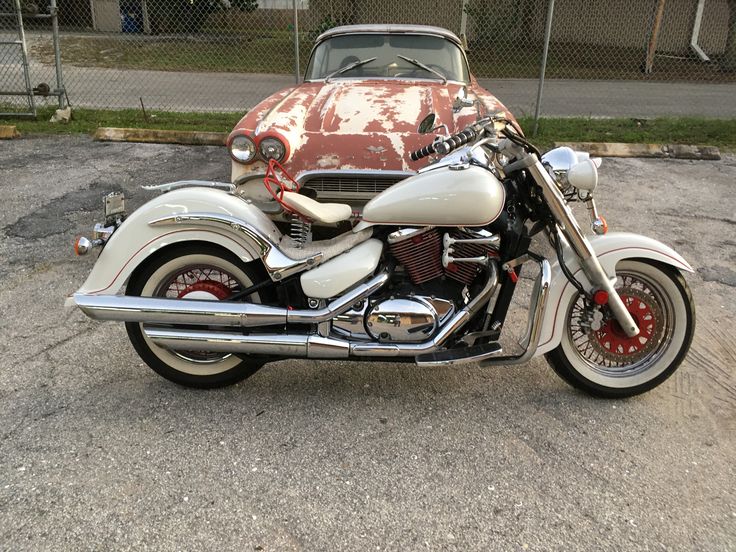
615, 341
218, 289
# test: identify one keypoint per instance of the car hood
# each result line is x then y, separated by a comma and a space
350, 107
362, 124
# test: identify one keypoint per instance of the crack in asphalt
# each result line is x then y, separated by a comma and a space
52, 218
669, 213
59, 342
720, 274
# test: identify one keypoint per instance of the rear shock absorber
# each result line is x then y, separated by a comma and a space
300, 231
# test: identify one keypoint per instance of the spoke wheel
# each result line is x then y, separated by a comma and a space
193, 272
202, 283
598, 357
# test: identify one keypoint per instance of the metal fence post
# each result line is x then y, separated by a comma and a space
57, 53
296, 43
545, 51
464, 23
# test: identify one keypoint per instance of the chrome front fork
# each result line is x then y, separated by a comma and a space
581, 246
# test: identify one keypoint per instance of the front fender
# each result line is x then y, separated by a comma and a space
610, 249
137, 239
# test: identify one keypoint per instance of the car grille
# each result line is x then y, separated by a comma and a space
326, 185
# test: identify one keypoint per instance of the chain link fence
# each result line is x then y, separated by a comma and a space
226, 55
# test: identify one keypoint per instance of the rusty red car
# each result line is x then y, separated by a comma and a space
345, 132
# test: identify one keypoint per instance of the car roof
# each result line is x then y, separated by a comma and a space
389, 29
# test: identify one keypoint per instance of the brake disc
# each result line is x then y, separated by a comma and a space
614, 345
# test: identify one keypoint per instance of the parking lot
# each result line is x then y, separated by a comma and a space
98, 452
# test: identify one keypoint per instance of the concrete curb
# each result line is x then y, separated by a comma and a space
662, 151
600, 149
146, 135
8, 132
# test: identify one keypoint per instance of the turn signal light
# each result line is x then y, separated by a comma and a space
82, 245
600, 226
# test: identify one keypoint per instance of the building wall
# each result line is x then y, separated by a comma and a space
106, 15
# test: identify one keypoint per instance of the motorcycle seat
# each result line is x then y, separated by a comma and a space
327, 213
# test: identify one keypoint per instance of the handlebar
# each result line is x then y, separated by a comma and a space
446, 146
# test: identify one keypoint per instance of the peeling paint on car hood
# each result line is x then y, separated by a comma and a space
362, 123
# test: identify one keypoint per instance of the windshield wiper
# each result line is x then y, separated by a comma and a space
348, 67
426, 68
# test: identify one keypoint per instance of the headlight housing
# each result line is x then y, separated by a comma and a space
242, 149
272, 148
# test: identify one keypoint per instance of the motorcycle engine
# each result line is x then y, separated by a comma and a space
427, 293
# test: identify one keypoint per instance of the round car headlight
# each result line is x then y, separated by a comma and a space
243, 149
273, 148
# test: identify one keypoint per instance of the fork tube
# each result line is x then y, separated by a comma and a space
581, 246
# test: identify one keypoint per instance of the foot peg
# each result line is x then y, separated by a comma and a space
452, 357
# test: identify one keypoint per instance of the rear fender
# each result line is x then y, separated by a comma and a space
165, 220
610, 249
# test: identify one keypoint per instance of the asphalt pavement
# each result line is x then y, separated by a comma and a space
98, 452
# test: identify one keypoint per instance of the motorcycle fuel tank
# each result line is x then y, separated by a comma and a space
457, 196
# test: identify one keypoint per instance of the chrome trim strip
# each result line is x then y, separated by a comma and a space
179, 184
247, 177
374, 173
278, 264
378, 28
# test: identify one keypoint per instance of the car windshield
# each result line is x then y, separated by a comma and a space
339, 52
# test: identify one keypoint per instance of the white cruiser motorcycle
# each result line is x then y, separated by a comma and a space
210, 289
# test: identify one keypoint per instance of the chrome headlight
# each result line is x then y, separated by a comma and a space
243, 149
272, 148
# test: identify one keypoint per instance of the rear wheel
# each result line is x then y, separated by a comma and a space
194, 272
595, 355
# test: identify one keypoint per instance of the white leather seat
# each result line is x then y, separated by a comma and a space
316, 211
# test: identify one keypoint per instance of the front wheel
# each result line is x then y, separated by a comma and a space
596, 356
197, 272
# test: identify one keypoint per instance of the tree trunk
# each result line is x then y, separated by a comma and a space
728, 60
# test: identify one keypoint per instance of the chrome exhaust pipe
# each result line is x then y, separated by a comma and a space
314, 346
153, 310
294, 345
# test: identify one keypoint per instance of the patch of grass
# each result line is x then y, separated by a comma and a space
669, 130
588, 61
87, 120
267, 52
